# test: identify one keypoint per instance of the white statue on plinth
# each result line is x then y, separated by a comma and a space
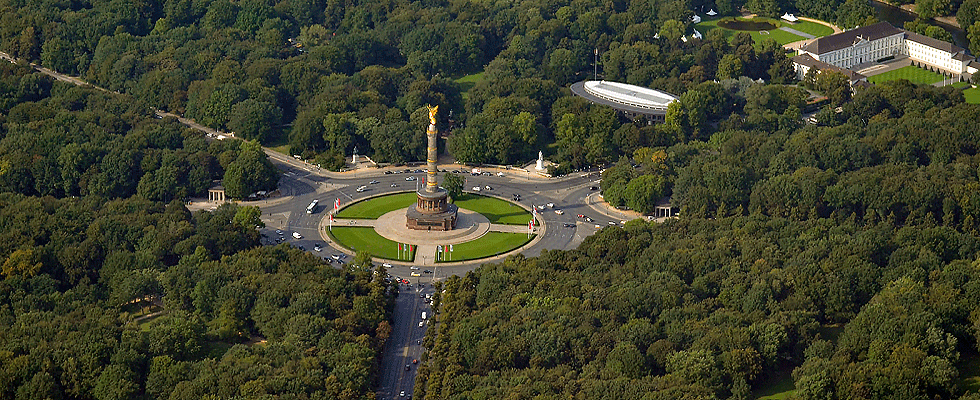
540, 165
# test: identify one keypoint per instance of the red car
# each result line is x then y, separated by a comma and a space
415, 361
581, 216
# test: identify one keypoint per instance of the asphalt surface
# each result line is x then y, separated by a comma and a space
404, 347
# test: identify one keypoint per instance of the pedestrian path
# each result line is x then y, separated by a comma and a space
797, 33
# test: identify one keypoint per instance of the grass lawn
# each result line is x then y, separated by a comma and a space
960, 85
366, 239
912, 73
972, 95
467, 82
970, 369
813, 28
778, 387
489, 245
496, 210
376, 207
779, 36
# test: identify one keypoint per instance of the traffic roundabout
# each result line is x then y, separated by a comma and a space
485, 227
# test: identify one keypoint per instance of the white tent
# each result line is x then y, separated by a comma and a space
696, 19
657, 35
790, 17
697, 35
684, 38
711, 12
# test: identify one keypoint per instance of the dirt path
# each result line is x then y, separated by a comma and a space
817, 21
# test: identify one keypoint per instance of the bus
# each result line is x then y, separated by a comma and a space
312, 207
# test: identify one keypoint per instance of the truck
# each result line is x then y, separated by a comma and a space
423, 314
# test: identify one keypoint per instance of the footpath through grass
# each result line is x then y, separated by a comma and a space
491, 244
496, 210
366, 239
912, 73
374, 208
813, 28
467, 82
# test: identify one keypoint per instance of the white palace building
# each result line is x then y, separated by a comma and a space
873, 43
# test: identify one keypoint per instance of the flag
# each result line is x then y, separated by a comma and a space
450, 247
336, 204
331, 217
399, 247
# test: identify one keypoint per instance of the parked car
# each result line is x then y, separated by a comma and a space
476, 188
559, 212
317, 247
297, 235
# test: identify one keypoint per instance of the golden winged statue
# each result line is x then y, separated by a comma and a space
432, 113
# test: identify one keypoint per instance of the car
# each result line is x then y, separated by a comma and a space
427, 271
598, 226
487, 187
335, 256
279, 231
500, 174
402, 394
612, 222
593, 188
394, 185
567, 225
388, 172
373, 182
328, 259
416, 274
411, 178
316, 247
587, 219
559, 212
297, 235
386, 265
550, 205
302, 248
414, 268
540, 208
487, 174
421, 295
415, 361
581, 215
420, 324
361, 189
419, 171
476, 188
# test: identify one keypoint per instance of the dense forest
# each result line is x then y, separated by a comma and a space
713, 308
111, 289
326, 76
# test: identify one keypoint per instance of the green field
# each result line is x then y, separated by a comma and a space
376, 207
366, 239
960, 85
972, 95
777, 387
496, 210
781, 37
491, 244
970, 370
813, 28
912, 73
467, 82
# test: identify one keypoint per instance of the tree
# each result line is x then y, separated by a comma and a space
968, 14
248, 217
454, 184
250, 172
254, 120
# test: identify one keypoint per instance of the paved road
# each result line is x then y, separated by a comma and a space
398, 370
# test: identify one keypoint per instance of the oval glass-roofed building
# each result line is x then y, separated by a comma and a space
634, 101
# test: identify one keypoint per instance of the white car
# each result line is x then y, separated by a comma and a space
550, 205
361, 189
487, 187
297, 235
500, 174
411, 178
559, 212
386, 265
476, 188
414, 268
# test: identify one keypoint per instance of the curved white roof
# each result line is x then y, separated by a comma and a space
631, 95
